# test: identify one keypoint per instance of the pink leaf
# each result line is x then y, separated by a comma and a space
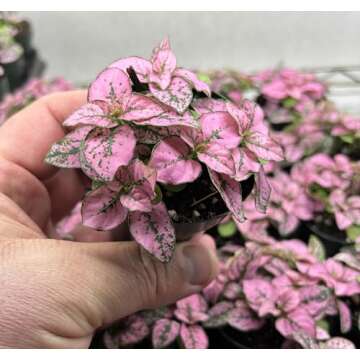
102, 210
193, 337
134, 330
213, 291
218, 314
230, 191
297, 320
164, 332
171, 159
140, 107
171, 118
142, 193
111, 85
263, 190
259, 294
152, 134
65, 153
154, 232
220, 128
264, 147
89, 114
204, 106
178, 95
217, 158
163, 66
105, 150
141, 66
345, 316
232, 290
339, 343
243, 318
193, 80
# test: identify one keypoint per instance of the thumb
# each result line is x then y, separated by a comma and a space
124, 278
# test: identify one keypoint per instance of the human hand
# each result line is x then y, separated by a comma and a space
56, 293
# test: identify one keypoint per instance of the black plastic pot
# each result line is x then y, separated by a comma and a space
230, 338
14, 64
186, 230
4, 85
24, 35
332, 238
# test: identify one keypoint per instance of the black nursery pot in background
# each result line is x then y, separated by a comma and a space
332, 238
4, 85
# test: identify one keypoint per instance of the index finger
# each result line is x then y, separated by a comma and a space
27, 136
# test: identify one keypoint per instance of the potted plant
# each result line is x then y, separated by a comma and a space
162, 153
17, 56
333, 182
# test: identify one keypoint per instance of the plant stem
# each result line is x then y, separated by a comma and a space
203, 199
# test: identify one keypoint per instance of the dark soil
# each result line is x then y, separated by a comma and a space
187, 206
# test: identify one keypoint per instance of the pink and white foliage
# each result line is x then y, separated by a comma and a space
191, 309
164, 332
133, 330
346, 208
144, 109
289, 203
193, 337
66, 152
243, 318
172, 160
154, 231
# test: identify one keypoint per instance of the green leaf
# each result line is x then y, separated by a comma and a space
323, 324
349, 139
317, 248
289, 102
195, 114
158, 194
227, 230
353, 232
319, 192
204, 77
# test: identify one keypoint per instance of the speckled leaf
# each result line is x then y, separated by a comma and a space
163, 66
263, 190
230, 191
165, 331
111, 85
65, 153
317, 248
89, 114
220, 128
178, 95
218, 314
140, 107
243, 318
264, 147
134, 330
141, 66
151, 135
171, 159
154, 232
192, 78
102, 210
171, 118
193, 337
217, 158
105, 150
339, 343
345, 316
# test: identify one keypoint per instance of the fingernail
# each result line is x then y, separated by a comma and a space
201, 264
